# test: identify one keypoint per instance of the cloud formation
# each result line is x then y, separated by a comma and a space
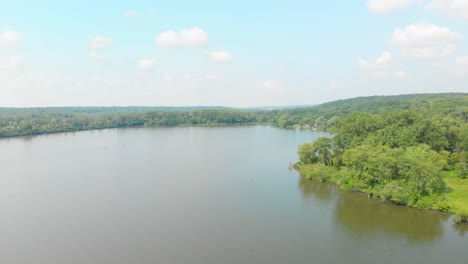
461, 65
186, 38
382, 66
381, 7
220, 56
11, 63
384, 61
451, 8
425, 41
10, 38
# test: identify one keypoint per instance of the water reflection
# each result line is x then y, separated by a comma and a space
316, 190
461, 229
360, 216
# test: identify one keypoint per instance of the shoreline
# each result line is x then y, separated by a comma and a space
450, 210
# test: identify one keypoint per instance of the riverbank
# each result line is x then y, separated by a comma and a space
457, 194
454, 200
157, 126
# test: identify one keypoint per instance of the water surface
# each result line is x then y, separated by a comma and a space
197, 195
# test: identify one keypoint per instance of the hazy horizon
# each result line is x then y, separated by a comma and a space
223, 106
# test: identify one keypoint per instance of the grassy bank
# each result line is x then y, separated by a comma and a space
457, 194
454, 200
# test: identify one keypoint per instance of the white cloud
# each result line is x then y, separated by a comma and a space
10, 38
220, 56
429, 52
100, 42
383, 61
452, 8
187, 37
14, 61
425, 41
461, 65
381, 67
146, 64
11, 63
272, 86
388, 6
423, 33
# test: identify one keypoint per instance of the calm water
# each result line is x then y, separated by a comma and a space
197, 195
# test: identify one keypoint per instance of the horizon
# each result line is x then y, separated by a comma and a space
238, 54
224, 106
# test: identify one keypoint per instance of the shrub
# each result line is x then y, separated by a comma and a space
442, 206
396, 192
463, 174
461, 218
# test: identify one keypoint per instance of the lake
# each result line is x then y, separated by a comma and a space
197, 195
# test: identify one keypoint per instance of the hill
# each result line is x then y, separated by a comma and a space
322, 116
33, 121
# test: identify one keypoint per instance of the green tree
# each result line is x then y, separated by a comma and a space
307, 154
324, 150
422, 168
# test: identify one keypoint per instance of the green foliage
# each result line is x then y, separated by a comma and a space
422, 168
354, 129
396, 192
307, 154
450, 108
463, 174
461, 218
464, 137
21, 122
397, 156
320, 150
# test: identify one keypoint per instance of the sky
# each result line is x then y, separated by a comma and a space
231, 53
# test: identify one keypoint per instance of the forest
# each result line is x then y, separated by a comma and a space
34, 121
413, 156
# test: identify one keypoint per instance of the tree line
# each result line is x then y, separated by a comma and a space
399, 156
33, 121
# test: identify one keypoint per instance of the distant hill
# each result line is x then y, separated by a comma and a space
110, 109
322, 116
32, 121
269, 108
443, 103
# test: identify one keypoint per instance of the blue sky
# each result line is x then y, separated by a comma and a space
233, 53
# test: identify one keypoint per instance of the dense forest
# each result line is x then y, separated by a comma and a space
414, 154
33, 121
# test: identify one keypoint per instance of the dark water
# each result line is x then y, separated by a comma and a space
197, 195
